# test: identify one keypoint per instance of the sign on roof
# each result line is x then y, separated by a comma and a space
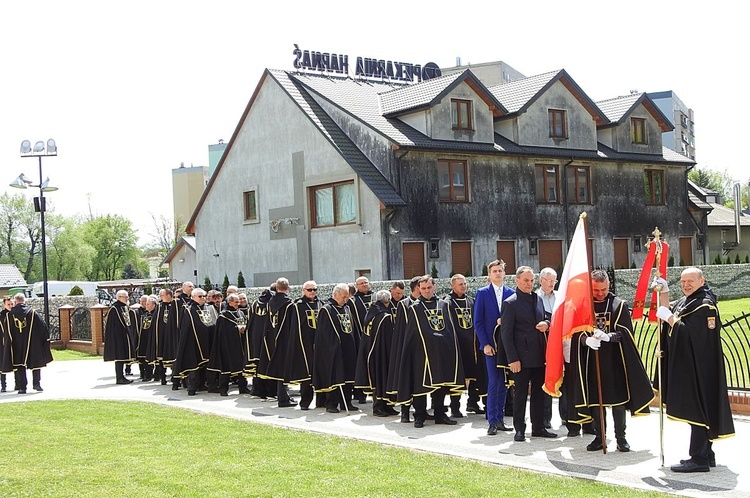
365, 67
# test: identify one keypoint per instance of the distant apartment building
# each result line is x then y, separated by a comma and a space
188, 184
682, 138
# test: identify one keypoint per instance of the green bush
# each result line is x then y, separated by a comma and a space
240, 280
75, 291
433, 271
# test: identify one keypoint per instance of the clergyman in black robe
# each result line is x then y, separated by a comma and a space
119, 335
276, 342
302, 325
227, 354
197, 326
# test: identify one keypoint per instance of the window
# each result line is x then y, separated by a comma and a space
557, 128
547, 184
250, 205
579, 191
333, 204
638, 130
653, 182
452, 181
461, 114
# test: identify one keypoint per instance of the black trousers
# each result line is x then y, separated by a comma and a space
20, 376
618, 414
305, 394
438, 405
224, 383
700, 447
535, 377
334, 399
473, 399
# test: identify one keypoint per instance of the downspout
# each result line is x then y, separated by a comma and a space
701, 229
564, 191
388, 217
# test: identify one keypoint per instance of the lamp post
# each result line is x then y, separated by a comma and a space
40, 206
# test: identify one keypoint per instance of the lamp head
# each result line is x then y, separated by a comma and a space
46, 187
25, 147
20, 182
38, 147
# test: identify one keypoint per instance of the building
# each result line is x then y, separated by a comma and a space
181, 260
727, 233
11, 280
188, 184
331, 177
682, 138
215, 151
490, 73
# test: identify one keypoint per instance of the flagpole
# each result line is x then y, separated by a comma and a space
602, 432
658, 288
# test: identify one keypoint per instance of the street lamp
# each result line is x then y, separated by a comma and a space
40, 206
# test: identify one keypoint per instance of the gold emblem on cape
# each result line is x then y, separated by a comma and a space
435, 319
205, 316
274, 319
346, 323
21, 324
711, 322
166, 315
464, 318
312, 318
147, 322
126, 317
260, 311
603, 321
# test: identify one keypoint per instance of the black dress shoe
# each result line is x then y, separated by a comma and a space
690, 466
594, 445
304, 408
519, 436
163, 381
123, 380
352, 408
287, 404
492, 430
588, 429
22, 391
475, 409
332, 409
443, 420
573, 433
175, 387
547, 424
389, 410
191, 392
502, 427
457, 414
379, 412
430, 417
711, 461
622, 445
223, 394
418, 424
405, 419
544, 433
38, 388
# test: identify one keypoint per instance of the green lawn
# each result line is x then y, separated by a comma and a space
106, 448
733, 307
69, 354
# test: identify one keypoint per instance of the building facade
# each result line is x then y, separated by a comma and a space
331, 178
682, 138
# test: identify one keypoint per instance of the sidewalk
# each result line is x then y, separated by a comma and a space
640, 468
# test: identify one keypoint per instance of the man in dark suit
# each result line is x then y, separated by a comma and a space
523, 332
488, 307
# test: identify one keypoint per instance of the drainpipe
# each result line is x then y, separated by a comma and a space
387, 232
564, 192
398, 167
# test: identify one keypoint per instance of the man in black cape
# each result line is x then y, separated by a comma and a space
119, 336
227, 354
335, 355
302, 322
146, 331
430, 360
624, 381
256, 327
166, 335
371, 375
694, 385
397, 345
276, 342
460, 307
26, 344
197, 327
358, 304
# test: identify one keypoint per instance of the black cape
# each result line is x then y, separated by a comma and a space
275, 338
303, 322
197, 328
358, 305
623, 378
167, 333
25, 340
227, 354
694, 385
119, 334
472, 356
256, 327
335, 355
146, 331
397, 344
430, 357
374, 352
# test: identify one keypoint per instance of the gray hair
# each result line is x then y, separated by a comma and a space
339, 289
547, 272
383, 296
232, 298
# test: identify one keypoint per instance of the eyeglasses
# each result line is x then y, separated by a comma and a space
550, 280
202, 296
314, 289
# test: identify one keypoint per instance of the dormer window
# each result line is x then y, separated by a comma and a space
557, 126
638, 130
461, 114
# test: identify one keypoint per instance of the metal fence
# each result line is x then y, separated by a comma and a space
735, 340
80, 324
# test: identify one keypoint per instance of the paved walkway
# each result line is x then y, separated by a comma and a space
640, 468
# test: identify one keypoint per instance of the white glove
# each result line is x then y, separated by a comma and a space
664, 313
593, 343
601, 335
663, 283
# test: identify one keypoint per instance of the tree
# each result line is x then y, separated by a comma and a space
69, 256
240, 280
75, 291
207, 286
114, 240
707, 178
130, 272
434, 271
167, 233
225, 285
